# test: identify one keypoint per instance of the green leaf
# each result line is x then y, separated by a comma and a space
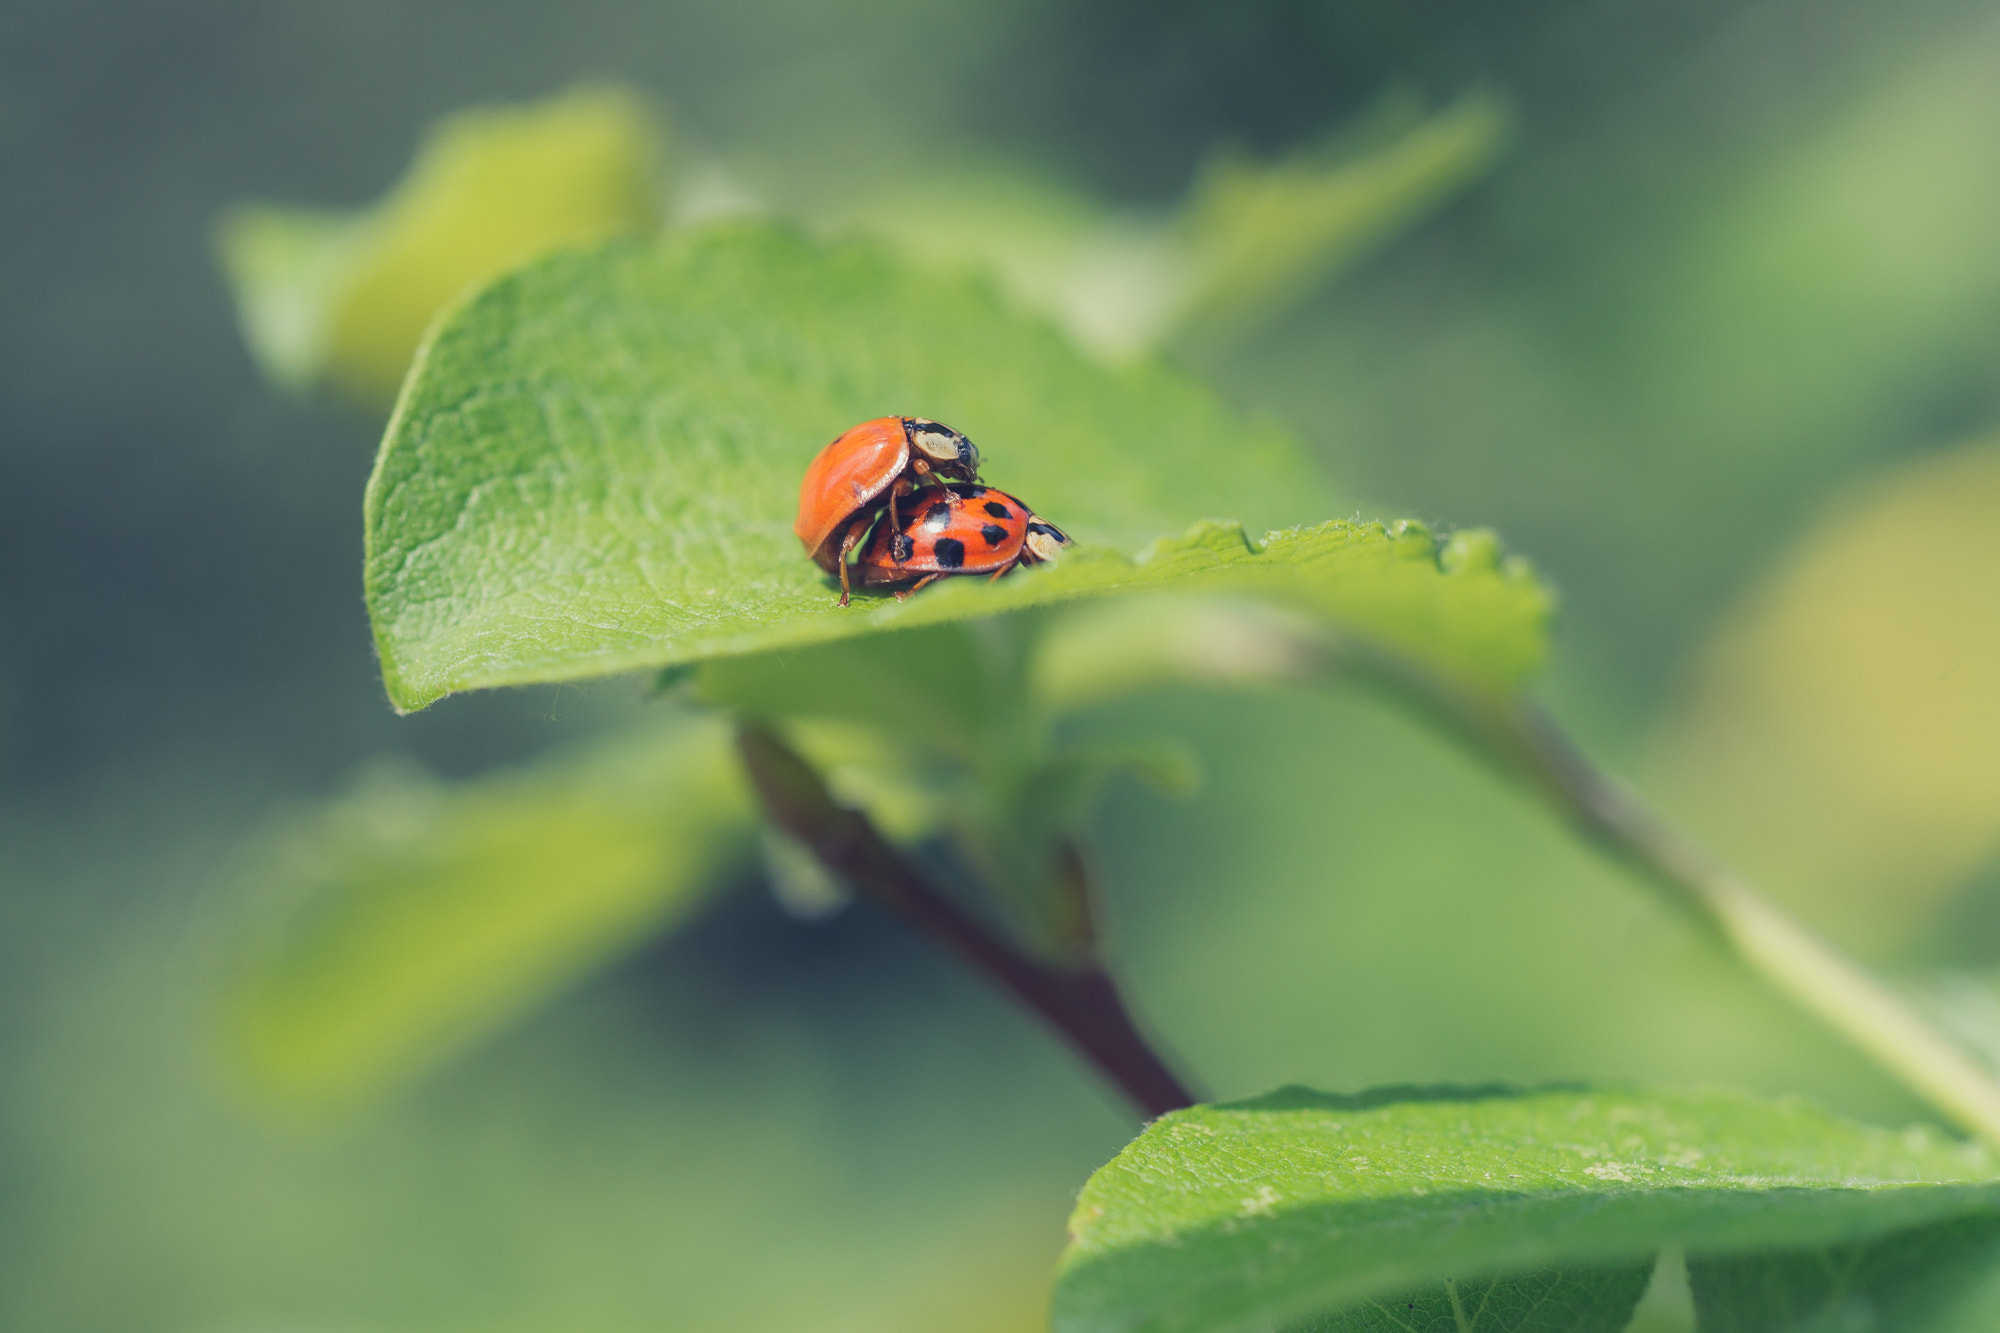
1560, 1300
1260, 236
1251, 238
1459, 612
595, 464
1112, 281
1932, 1277
288, 268
346, 296
423, 916
1152, 642
1241, 1215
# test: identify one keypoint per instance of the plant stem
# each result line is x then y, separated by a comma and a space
1780, 950
1081, 1004
1525, 743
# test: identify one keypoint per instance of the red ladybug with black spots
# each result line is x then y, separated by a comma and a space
868, 469
963, 529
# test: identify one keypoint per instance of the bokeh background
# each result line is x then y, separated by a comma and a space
1716, 341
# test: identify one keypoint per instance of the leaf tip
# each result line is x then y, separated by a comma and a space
404, 697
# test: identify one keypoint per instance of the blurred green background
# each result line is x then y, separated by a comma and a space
1716, 342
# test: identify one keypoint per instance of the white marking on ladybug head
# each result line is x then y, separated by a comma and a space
1045, 541
946, 449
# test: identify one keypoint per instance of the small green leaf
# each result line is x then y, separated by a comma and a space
288, 267
1242, 1215
596, 461
1261, 236
799, 880
1250, 239
428, 915
346, 296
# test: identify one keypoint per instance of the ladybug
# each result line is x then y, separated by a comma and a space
957, 530
868, 468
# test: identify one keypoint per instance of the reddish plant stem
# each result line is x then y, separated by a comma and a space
1083, 1004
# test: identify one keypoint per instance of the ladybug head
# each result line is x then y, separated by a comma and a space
949, 453
1045, 540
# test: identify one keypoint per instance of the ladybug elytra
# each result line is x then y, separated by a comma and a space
964, 529
867, 469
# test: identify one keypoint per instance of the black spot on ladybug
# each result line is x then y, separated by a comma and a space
996, 509
900, 547
950, 552
993, 533
937, 515
970, 492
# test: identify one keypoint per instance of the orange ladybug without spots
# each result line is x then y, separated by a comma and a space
870, 468
949, 530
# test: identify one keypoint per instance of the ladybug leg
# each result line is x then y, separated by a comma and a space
925, 470
901, 488
848, 543
917, 587
1005, 569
